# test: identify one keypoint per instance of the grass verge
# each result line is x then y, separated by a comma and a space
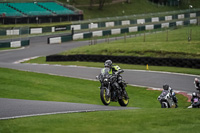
168, 44
34, 86
129, 121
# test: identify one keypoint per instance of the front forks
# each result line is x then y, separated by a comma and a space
108, 90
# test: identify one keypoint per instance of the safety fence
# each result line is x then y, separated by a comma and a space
188, 63
14, 44
90, 25
129, 21
99, 33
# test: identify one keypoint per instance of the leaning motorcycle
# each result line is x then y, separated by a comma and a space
107, 91
166, 100
196, 103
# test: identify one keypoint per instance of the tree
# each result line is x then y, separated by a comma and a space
101, 4
91, 4
128, 1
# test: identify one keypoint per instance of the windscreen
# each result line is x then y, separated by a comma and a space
105, 71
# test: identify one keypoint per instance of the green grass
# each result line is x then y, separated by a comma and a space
129, 9
129, 121
4, 49
150, 118
155, 45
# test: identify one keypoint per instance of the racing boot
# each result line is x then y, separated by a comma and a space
175, 101
176, 105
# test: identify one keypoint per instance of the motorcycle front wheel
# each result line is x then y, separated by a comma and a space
124, 101
104, 98
164, 105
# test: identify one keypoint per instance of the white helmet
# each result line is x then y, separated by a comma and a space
194, 94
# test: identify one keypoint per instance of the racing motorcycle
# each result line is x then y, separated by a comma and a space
166, 100
196, 103
107, 92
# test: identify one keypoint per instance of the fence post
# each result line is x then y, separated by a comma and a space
167, 36
91, 41
198, 21
125, 37
108, 40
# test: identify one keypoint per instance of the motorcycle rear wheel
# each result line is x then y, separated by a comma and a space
105, 99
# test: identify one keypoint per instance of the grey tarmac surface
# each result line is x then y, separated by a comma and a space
134, 77
16, 108
38, 47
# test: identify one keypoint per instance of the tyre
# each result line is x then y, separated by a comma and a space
164, 105
105, 99
124, 101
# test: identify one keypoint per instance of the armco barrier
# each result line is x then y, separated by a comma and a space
189, 63
122, 30
14, 44
110, 23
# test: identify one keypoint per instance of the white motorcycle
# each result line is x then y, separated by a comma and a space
166, 100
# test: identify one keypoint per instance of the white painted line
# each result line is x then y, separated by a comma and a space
65, 112
26, 59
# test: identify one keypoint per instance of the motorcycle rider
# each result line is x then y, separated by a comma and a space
172, 93
197, 83
116, 70
195, 97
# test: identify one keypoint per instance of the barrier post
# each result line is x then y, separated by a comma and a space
125, 37
108, 39
167, 36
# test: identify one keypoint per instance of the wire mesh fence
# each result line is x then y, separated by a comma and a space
188, 33
14, 33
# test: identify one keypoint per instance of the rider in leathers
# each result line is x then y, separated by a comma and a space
116, 70
195, 104
172, 93
197, 83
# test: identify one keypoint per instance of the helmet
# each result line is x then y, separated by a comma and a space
165, 86
108, 63
194, 94
196, 80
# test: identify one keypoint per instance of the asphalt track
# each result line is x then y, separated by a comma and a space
16, 108
9, 108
